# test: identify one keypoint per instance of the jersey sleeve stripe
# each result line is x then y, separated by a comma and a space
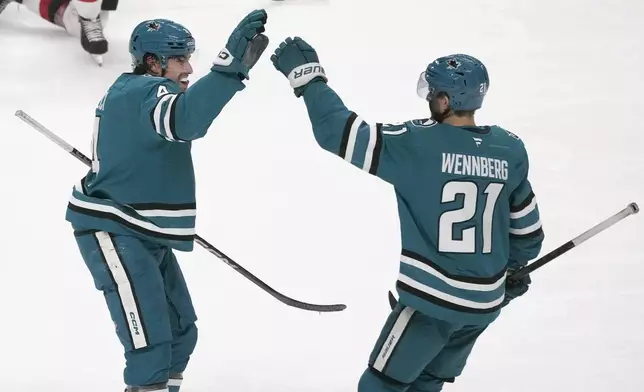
361, 144
526, 230
345, 134
526, 210
537, 233
353, 137
375, 159
371, 147
156, 115
168, 119
163, 117
525, 203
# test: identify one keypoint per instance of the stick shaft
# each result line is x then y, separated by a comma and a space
199, 240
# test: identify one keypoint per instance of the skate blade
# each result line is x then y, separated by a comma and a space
98, 59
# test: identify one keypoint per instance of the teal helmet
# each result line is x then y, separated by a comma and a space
162, 38
464, 78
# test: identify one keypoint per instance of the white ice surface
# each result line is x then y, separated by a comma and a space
565, 75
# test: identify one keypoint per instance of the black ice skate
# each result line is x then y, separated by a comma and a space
5, 3
92, 38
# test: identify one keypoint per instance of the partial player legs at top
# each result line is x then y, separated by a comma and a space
4, 4
84, 19
92, 38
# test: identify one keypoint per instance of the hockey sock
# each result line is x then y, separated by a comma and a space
174, 382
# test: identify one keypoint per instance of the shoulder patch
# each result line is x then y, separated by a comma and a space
401, 128
512, 134
163, 90
393, 129
423, 123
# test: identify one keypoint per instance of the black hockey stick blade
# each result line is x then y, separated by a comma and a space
281, 297
199, 240
630, 209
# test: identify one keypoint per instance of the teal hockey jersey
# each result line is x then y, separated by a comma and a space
142, 180
466, 207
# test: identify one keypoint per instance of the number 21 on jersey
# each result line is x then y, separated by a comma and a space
467, 241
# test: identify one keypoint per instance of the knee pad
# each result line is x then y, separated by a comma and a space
183, 345
190, 336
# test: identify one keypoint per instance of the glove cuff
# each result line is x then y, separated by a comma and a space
303, 74
299, 91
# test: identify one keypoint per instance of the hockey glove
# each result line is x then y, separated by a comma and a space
299, 62
245, 46
515, 287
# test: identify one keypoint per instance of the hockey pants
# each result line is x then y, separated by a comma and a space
148, 301
417, 353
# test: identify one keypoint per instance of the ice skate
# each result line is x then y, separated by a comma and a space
4, 4
92, 38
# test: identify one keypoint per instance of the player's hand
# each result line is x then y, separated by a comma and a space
299, 62
245, 46
515, 287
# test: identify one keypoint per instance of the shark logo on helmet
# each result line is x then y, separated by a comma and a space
453, 64
153, 26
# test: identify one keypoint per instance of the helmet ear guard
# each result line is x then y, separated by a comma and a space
162, 60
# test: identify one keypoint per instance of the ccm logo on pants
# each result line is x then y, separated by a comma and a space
125, 290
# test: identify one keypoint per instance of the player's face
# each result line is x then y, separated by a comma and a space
179, 69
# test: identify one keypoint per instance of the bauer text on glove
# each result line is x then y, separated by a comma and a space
299, 62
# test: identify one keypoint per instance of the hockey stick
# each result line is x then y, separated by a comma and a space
209, 247
631, 209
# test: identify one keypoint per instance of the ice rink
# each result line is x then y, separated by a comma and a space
566, 76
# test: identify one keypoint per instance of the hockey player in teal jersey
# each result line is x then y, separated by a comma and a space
468, 215
137, 203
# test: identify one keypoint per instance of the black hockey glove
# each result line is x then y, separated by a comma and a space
245, 46
299, 62
515, 287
